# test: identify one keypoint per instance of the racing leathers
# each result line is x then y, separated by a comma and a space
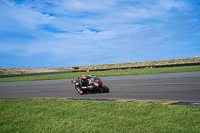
82, 81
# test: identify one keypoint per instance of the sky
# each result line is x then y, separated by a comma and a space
64, 33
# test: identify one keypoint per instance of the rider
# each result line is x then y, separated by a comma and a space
83, 81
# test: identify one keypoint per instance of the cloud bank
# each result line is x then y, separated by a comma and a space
87, 32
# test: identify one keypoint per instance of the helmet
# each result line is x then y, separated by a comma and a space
84, 77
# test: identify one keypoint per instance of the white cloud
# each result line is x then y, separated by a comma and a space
169, 4
82, 5
20, 17
64, 28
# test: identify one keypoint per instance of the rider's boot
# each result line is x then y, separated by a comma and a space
81, 92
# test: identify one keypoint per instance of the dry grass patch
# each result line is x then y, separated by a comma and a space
104, 66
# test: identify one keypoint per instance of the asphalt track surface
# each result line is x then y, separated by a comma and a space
171, 86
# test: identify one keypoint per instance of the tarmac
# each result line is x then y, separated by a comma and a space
170, 88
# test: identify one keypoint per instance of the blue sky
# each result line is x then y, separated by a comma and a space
61, 33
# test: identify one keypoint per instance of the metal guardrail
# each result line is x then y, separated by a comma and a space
123, 68
31, 74
139, 67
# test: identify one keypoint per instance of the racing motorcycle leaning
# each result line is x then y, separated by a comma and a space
93, 84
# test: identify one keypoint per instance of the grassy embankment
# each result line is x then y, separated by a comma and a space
104, 66
103, 73
63, 115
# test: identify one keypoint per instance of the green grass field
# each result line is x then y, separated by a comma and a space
63, 115
104, 73
83, 116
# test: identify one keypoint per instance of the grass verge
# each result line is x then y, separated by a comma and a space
63, 115
103, 73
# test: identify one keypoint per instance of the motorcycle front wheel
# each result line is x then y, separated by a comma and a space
105, 88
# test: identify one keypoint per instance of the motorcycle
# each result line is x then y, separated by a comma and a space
94, 84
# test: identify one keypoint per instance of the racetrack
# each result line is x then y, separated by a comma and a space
171, 86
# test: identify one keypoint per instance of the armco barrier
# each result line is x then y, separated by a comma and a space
31, 74
139, 67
